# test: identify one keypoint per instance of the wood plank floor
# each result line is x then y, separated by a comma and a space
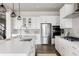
46, 50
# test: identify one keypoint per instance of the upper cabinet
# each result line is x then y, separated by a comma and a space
65, 11
66, 23
69, 10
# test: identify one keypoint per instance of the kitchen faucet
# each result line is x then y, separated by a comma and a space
22, 28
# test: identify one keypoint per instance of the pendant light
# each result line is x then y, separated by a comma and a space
19, 17
13, 13
2, 8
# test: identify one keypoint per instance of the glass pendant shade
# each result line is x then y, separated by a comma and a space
19, 17
13, 14
2, 8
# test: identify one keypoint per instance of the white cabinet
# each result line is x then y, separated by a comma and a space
38, 39
52, 41
60, 45
67, 9
66, 23
65, 47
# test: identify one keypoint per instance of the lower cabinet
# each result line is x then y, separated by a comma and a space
53, 41
32, 52
38, 39
65, 47
60, 46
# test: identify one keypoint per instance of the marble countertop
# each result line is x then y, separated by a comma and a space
24, 34
15, 46
76, 43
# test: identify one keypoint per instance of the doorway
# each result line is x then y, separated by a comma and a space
3, 28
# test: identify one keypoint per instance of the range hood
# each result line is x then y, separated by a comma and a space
75, 12
77, 8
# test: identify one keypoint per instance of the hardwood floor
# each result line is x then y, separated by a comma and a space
46, 50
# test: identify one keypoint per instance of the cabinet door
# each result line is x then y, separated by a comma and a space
58, 45
62, 12
66, 48
66, 23
67, 9
66, 45
38, 39
53, 41
62, 46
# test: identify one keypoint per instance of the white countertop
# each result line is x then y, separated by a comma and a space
24, 34
76, 43
15, 46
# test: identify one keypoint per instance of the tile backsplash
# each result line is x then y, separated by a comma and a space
75, 27
66, 30
74, 33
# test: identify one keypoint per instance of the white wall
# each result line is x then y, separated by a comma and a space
37, 18
75, 26
8, 24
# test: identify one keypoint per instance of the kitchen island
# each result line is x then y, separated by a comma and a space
17, 46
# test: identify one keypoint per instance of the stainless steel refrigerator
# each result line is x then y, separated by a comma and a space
46, 33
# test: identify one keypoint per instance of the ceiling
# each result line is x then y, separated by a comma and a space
36, 6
